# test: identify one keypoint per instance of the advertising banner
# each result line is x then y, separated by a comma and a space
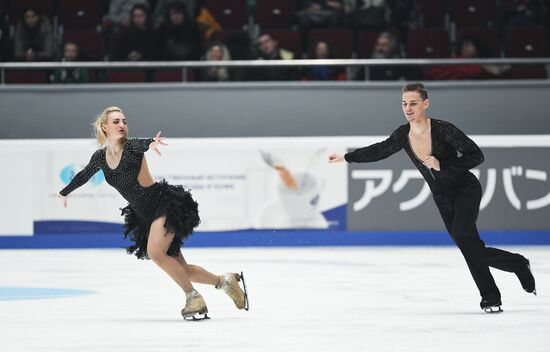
273, 183
392, 195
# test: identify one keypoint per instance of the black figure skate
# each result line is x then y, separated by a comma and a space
491, 304
527, 279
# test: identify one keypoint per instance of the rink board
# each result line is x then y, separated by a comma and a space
278, 238
243, 201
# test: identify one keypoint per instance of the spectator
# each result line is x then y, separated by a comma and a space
5, 47
319, 13
546, 15
119, 13
71, 52
180, 36
369, 14
34, 37
403, 12
520, 13
387, 46
139, 41
321, 50
161, 9
470, 47
268, 49
216, 52
208, 25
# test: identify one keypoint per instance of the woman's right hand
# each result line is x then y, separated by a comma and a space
335, 158
64, 198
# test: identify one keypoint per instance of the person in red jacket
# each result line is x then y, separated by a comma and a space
470, 48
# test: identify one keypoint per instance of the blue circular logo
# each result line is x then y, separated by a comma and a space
69, 171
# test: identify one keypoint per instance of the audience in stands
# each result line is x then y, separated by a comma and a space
519, 13
367, 14
470, 47
319, 14
34, 40
161, 9
138, 41
208, 25
185, 30
545, 9
321, 50
216, 52
71, 52
180, 35
404, 14
5, 45
268, 49
119, 13
388, 46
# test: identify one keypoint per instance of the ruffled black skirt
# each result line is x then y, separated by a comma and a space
172, 201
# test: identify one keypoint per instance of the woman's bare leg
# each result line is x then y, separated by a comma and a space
158, 243
198, 273
227, 282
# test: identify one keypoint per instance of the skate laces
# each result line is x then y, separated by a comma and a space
192, 294
225, 282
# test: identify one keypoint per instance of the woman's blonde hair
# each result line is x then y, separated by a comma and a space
220, 72
102, 120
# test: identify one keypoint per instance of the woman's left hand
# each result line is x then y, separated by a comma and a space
156, 141
432, 163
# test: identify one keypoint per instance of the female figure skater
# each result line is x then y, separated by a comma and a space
432, 146
159, 216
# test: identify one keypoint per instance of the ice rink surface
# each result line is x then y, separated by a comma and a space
301, 299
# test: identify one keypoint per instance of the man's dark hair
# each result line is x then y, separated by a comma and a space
416, 87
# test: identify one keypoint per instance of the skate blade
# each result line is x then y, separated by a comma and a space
531, 271
196, 317
493, 310
241, 278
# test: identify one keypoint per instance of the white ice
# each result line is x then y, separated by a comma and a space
302, 299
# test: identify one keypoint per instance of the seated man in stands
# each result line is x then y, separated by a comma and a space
268, 49
387, 46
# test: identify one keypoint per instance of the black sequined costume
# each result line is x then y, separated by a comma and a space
457, 195
446, 141
145, 203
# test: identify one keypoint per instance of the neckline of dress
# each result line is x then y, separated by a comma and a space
121, 156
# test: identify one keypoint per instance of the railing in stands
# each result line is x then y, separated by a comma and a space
251, 64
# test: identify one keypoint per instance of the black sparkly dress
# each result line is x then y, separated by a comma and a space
145, 203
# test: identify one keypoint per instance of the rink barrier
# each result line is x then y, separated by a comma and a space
277, 238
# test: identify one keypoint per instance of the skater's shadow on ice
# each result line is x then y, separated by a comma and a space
504, 313
179, 321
